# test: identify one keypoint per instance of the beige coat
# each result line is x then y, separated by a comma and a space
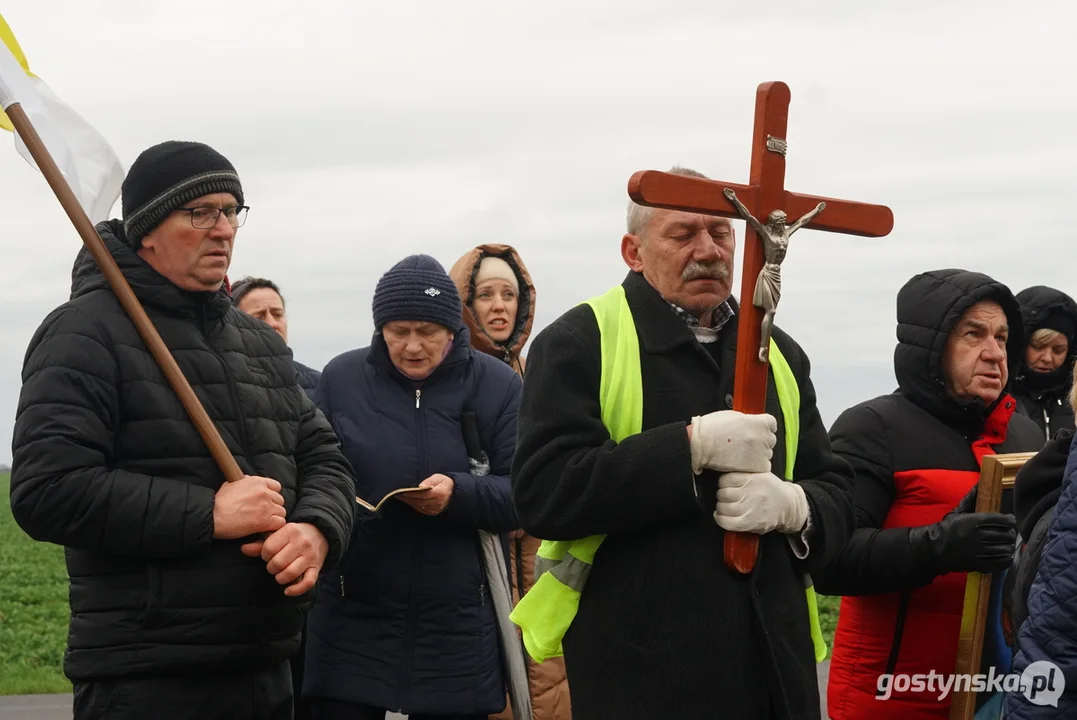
548, 684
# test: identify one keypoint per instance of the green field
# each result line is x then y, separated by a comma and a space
34, 611
828, 618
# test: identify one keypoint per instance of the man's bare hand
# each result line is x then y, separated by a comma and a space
248, 506
433, 501
295, 552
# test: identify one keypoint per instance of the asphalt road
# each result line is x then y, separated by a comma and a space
58, 707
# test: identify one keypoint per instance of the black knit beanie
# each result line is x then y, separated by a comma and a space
417, 288
165, 177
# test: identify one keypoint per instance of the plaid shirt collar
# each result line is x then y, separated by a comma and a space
722, 314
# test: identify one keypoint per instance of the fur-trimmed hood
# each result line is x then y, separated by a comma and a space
463, 274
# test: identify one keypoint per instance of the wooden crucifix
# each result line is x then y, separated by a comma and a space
765, 245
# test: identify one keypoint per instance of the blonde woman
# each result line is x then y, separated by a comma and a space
1043, 380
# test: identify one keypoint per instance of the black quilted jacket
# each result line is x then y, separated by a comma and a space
107, 464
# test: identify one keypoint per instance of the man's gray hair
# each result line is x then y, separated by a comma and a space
639, 215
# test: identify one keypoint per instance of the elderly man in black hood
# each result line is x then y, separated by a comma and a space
1042, 383
916, 454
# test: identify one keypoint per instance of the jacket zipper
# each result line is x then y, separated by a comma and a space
409, 631
233, 393
343, 569
241, 427
899, 632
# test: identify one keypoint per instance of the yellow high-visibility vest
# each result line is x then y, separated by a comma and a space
545, 613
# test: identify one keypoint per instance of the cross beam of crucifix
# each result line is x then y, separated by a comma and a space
765, 244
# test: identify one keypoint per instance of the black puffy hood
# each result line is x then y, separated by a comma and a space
928, 307
1038, 303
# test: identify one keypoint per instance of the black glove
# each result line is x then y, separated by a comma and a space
966, 542
968, 503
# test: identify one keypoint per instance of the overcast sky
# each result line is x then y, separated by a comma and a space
365, 131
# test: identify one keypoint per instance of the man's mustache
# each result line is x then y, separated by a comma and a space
716, 270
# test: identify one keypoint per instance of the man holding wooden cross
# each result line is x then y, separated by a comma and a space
672, 454
187, 592
626, 428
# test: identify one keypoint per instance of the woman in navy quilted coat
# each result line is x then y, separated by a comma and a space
1047, 642
406, 623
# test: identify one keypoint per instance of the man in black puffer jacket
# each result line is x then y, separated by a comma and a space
187, 593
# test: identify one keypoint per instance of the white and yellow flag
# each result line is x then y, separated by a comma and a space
85, 158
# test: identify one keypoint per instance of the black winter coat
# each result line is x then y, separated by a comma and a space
664, 629
308, 378
1036, 490
1049, 634
1044, 397
107, 464
407, 623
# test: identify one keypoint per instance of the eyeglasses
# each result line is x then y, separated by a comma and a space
204, 218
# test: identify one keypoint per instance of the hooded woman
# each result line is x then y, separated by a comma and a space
1042, 384
499, 301
498, 298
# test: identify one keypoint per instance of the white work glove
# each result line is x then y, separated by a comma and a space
729, 441
760, 503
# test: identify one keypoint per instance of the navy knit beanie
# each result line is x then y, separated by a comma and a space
417, 288
165, 177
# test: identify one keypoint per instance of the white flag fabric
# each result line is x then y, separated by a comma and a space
85, 158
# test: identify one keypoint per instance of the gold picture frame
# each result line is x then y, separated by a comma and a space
996, 475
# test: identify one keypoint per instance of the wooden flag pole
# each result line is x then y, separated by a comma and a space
124, 293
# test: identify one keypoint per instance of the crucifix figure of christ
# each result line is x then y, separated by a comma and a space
764, 196
768, 286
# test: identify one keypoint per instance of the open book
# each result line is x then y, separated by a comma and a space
375, 508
